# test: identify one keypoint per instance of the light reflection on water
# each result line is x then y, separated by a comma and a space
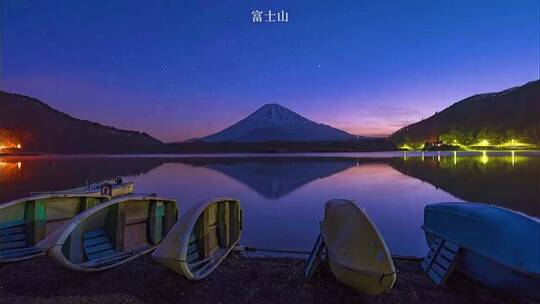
283, 196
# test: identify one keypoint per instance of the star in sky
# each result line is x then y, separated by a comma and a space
408, 56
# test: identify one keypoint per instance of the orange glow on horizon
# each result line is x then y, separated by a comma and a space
7, 144
369, 131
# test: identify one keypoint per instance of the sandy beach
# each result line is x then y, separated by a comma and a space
240, 279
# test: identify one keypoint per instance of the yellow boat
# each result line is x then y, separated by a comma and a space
357, 254
202, 238
111, 233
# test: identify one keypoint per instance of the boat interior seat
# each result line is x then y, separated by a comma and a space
107, 260
193, 250
14, 240
195, 259
97, 245
204, 247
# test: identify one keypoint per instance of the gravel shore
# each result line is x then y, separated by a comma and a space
238, 280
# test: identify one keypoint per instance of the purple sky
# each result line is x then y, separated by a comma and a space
184, 69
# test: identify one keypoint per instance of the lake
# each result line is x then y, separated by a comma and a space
283, 195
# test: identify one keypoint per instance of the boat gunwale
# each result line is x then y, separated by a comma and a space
24, 258
120, 262
486, 205
51, 195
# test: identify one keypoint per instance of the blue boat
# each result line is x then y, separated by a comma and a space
497, 247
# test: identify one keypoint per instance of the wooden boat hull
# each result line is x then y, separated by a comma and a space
28, 221
357, 254
123, 189
499, 248
105, 188
112, 233
202, 238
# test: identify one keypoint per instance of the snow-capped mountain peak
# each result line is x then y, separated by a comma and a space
273, 122
276, 113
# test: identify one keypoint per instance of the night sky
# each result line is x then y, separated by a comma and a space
182, 69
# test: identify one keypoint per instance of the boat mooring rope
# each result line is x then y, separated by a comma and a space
254, 249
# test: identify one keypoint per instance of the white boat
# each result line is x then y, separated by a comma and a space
202, 238
112, 233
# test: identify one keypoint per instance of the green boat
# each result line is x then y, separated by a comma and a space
27, 221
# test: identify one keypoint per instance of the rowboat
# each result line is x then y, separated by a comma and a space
110, 188
357, 254
497, 247
27, 221
202, 238
111, 233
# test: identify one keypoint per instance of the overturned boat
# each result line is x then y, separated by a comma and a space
27, 221
202, 238
497, 247
111, 233
357, 254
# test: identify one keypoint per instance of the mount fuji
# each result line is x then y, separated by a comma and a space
273, 122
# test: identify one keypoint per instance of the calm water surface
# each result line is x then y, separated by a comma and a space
283, 196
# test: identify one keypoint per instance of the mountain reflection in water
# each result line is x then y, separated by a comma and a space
275, 177
283, 197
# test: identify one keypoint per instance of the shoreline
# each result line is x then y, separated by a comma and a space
20, 154
359, 154
239, 279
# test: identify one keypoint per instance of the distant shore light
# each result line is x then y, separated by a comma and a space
483, 142
407, 147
